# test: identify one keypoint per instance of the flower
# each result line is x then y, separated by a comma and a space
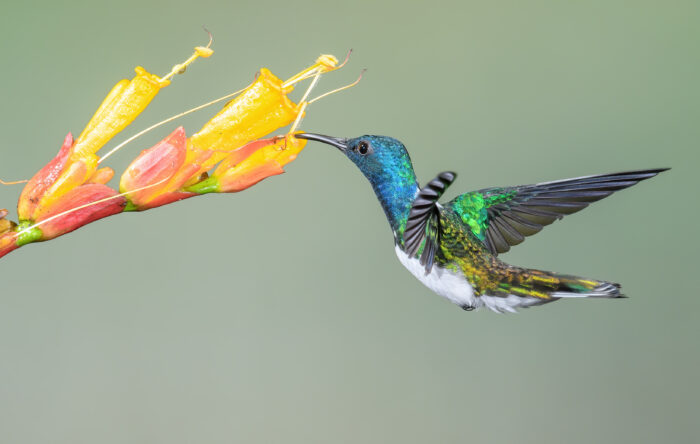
259, 110
175, 168
71, 191
78, 207
64, 173
250, 164
160, 172
76, 162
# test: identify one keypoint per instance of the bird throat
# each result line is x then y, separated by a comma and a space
396, 192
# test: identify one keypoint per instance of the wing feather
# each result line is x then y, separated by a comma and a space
503, 217
423, 224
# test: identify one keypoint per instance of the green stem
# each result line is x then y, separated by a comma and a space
208, 185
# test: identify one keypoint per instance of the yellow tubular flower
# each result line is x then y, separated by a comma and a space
126, 100
121, 106
231, 139
259, 110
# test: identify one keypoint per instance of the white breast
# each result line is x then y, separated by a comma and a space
442, 281
455, 287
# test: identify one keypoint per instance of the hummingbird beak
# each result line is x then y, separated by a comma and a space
341, 144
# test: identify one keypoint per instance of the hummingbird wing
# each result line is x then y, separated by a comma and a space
503, 217
423, 222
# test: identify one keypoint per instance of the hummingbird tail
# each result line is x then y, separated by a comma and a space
521, 287
576, 287
545, 286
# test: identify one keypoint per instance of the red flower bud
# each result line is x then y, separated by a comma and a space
81, 196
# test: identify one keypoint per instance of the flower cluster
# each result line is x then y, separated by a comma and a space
227, 155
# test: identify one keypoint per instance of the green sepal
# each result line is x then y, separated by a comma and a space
130, 206
208, 185
28, 236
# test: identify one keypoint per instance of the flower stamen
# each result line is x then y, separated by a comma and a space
325, 63
199, 51
337, 90
304, 103
14, 182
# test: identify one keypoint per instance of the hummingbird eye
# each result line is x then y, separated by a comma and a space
363, 147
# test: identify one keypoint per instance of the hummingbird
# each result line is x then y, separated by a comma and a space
453, 248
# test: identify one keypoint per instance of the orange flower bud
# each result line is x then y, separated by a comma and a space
42, 180
160, 172
256, 161
77, 197
156, 164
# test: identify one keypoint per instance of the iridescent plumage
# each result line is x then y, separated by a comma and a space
453, 248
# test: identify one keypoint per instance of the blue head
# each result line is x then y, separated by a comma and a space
386, 164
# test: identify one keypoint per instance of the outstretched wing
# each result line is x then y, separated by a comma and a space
503, 217
424, 220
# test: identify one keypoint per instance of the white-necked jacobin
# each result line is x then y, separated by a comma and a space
453, 248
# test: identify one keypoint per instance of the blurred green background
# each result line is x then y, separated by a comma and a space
281, 314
